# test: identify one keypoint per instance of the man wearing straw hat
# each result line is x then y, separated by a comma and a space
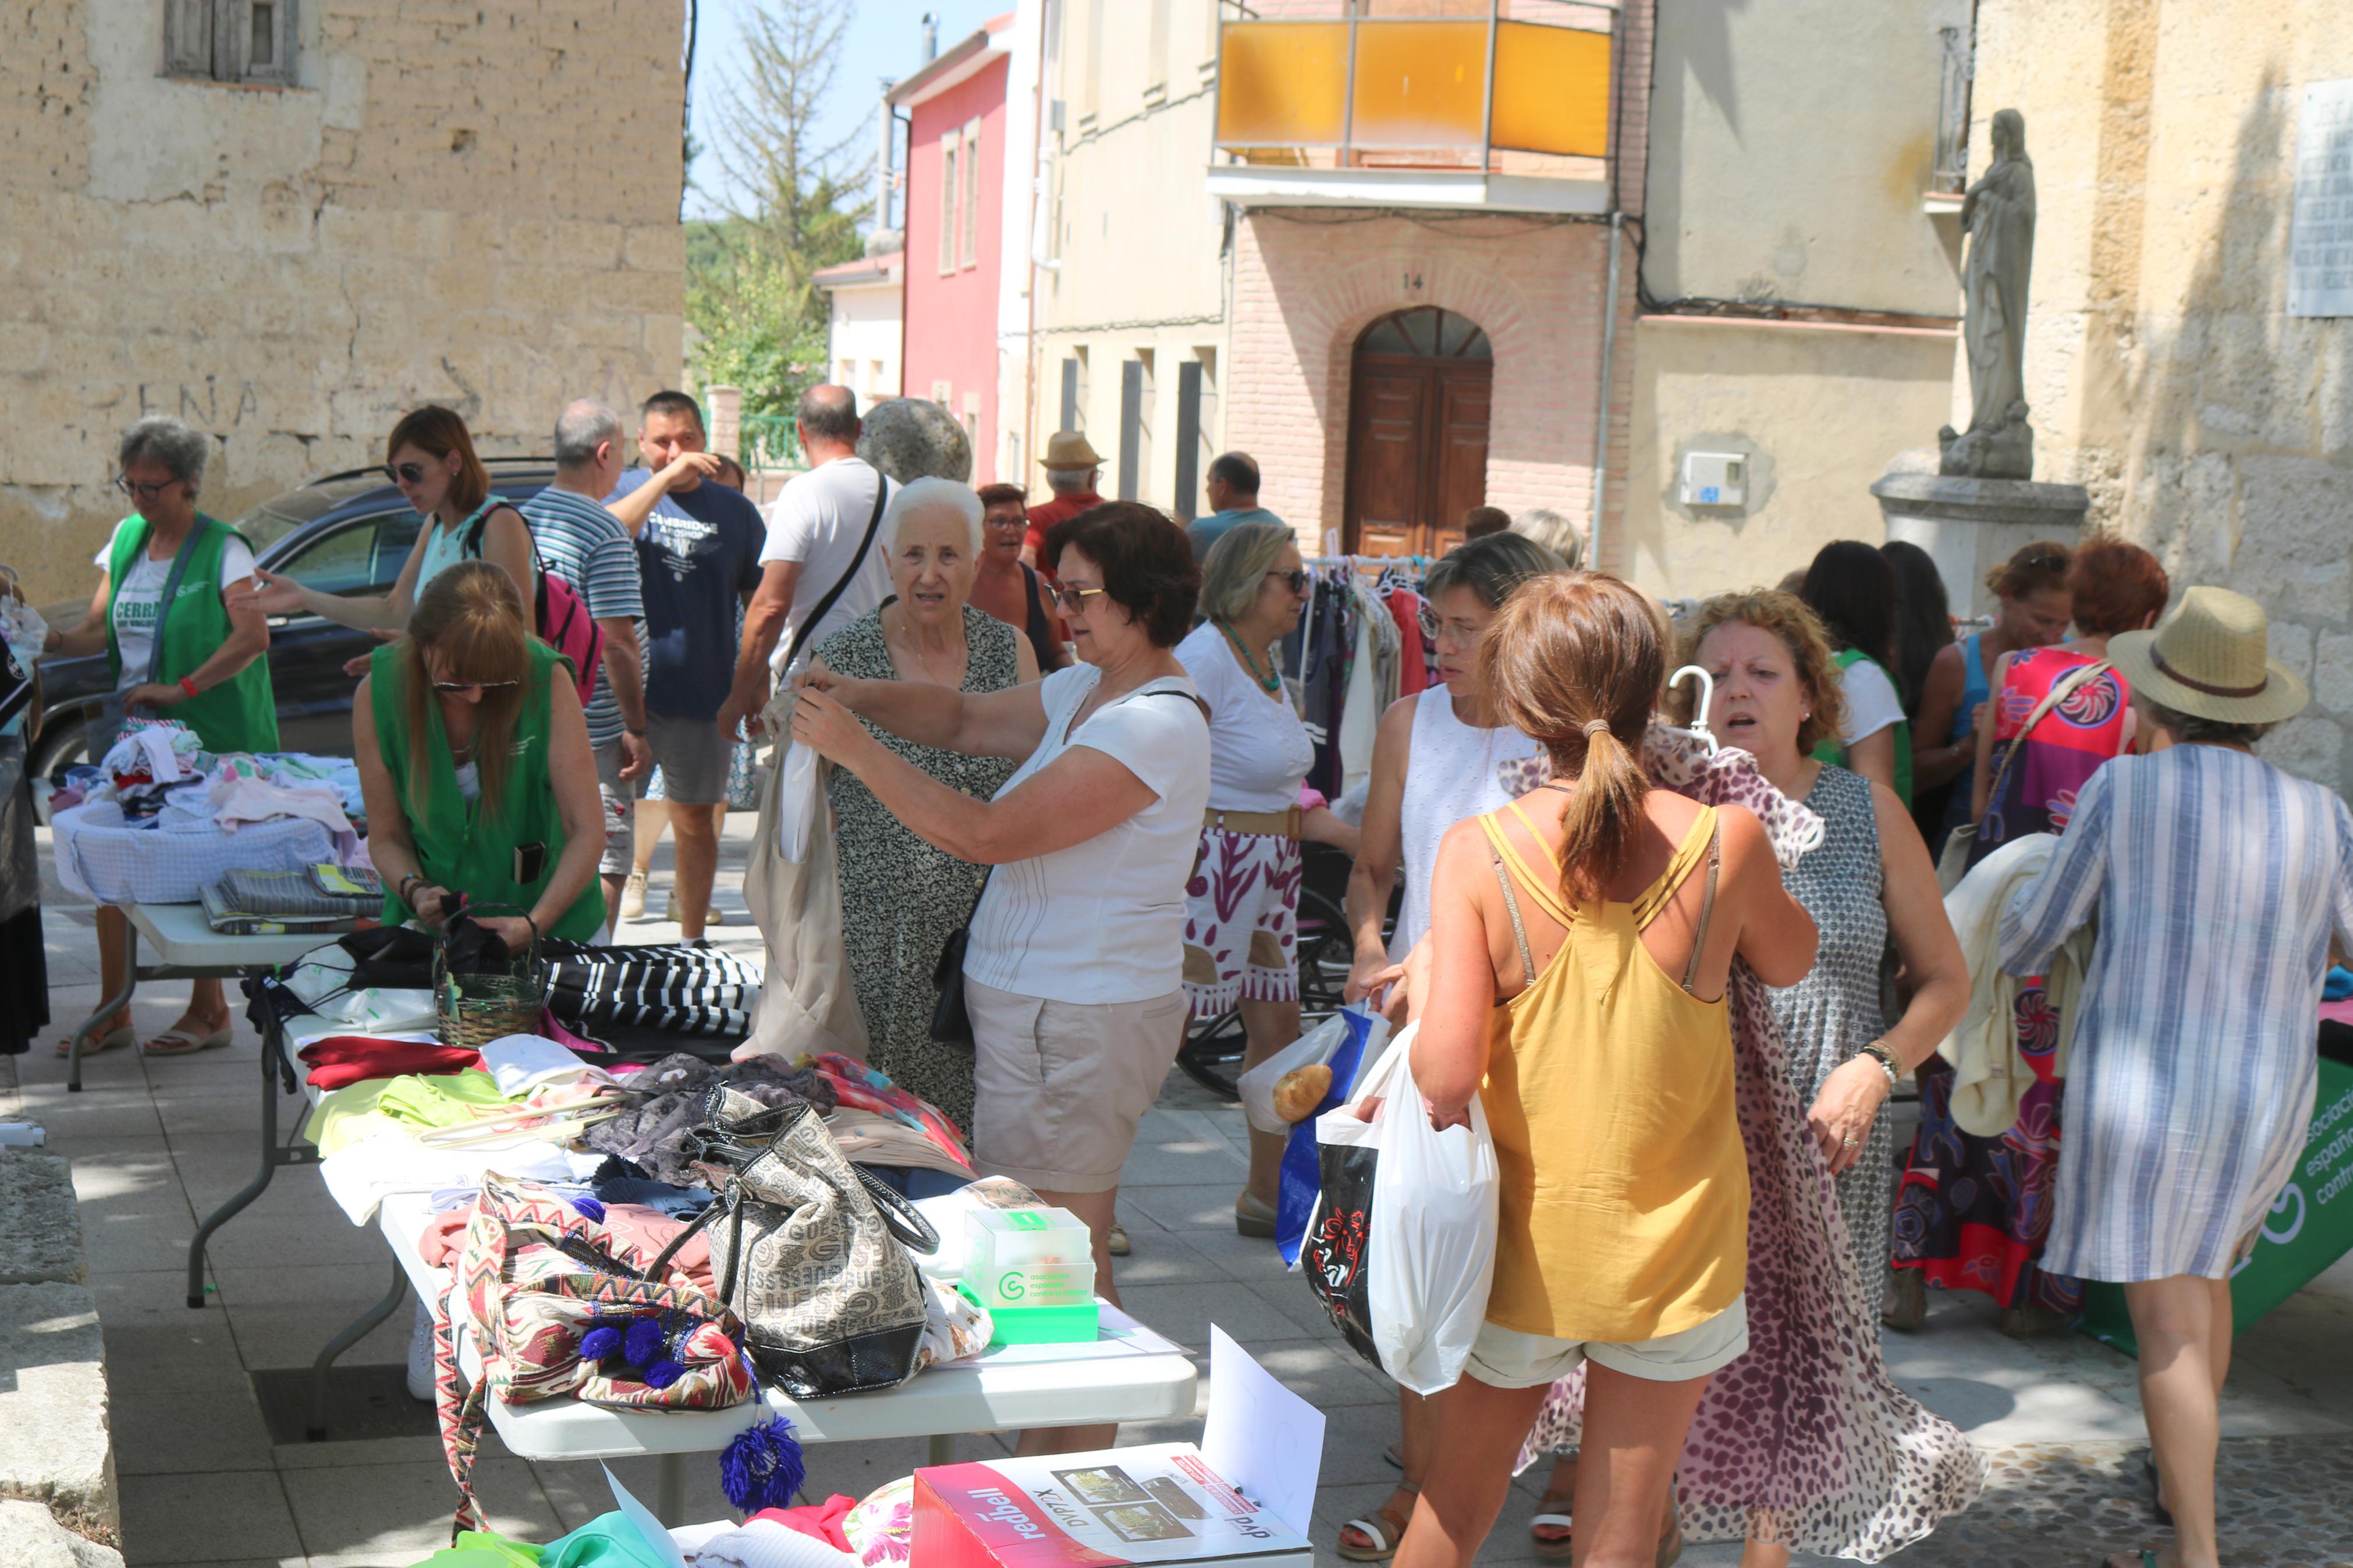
2218, 883
1072, 469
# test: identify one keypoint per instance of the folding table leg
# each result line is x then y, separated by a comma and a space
942, 1448
96, 1023
316, 1428
270, 1160
670, 1490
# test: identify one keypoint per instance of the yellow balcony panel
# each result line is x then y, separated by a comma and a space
1552, 90
1283, 84
1419, 84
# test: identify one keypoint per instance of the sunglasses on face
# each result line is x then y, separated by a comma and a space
459, 688
1075, 599
404, 473
1296, 579
141, 493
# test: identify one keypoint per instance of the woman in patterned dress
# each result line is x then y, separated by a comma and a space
901, 899
1974, 1212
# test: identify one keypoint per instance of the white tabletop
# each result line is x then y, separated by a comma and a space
177, 934
1128, 1373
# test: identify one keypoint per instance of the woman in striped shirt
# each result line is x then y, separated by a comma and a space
2219, 882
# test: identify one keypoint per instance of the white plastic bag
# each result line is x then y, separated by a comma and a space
1317, 1045
1430, 1255
796, 806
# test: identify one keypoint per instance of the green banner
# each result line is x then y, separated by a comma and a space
2308, 1229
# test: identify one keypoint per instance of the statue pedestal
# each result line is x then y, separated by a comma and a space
1970, 526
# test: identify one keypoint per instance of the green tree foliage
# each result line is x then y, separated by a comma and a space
759, 323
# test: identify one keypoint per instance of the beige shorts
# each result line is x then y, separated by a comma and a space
1057, 1087
1506, 1358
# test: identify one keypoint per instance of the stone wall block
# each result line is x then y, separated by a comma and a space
53, 1406
40, 1228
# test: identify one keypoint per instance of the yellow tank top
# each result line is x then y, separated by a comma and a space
1624, 1210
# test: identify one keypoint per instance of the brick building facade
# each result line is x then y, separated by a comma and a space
392, 202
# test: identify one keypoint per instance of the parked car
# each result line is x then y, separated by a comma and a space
347, 533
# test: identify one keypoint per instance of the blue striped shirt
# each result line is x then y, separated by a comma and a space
587, 546
2217, 881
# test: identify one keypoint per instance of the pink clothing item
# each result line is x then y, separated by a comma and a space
821, 1521
855, 1083
1309, 799
238, 801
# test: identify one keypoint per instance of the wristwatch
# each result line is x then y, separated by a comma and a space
1877, 1052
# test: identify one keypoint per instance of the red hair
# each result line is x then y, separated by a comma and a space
2119, 587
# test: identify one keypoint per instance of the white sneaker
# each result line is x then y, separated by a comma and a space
710, 916
420, 1356
633, 897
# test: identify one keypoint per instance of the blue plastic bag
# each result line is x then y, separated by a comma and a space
1300, 1178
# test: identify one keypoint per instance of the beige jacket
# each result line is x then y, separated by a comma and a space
1989, 1074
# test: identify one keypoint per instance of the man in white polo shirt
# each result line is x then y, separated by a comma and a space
822, 545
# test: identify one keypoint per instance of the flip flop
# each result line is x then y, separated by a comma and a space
180, 1043
2147, 1559
1553, 1513
1384, 1529
113, 1039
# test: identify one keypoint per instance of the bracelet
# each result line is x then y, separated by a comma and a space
188, 685
401, 890
1877, 1052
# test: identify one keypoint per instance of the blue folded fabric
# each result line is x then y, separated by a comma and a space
619, 1180
2339, 985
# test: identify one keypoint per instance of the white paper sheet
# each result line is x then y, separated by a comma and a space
1260, 1435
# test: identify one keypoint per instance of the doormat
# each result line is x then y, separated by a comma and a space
362, 1402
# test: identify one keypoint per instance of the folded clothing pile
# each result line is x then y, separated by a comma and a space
697, 991
670, 1102
326, 898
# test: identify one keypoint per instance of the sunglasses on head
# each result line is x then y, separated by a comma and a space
404, 473
142, 492
455, 687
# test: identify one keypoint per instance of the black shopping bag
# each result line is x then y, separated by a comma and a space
1333, 1254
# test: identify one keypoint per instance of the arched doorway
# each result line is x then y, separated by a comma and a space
1420, 384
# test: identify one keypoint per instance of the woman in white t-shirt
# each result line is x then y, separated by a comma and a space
1073, 968
181, 650
1241, 912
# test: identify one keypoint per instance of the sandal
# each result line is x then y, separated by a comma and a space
1385, 1529
113, 1039
182, 1043
2156, 1491
1253, 1218
1553, 1513
1116, 1243
2147, 1559
1395, 1455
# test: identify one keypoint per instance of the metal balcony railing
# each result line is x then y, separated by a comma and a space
1372, 87
767, 441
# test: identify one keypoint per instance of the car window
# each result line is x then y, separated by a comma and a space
338, 563
395, 537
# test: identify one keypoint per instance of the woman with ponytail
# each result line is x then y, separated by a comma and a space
1582, 938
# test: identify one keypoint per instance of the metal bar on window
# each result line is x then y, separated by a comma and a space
1348, 96
1487, 95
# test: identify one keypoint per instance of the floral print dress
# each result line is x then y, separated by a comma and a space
901, 898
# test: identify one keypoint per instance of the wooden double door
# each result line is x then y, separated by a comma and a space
1417, 433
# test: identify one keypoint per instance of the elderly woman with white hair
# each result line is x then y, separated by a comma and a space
176, 653
903, 898
1554, 532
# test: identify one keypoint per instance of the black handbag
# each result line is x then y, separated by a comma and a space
811, 1251
951, 1019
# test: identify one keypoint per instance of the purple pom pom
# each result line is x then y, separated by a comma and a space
662, 1374
762, 1467
599, 1342
589, 1208
643, 1343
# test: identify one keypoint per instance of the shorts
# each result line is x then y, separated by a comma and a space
742, 781
620, 816
693, 758
1242, 921
1506, 1358
1059, 1087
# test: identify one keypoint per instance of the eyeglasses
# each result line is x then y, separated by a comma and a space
459, 687
1296, 579
141, 493
1075, 599
404, 473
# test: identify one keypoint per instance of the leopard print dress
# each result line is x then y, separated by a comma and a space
1804, 1442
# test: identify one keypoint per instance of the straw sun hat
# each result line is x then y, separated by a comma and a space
1069, 449
2211, 660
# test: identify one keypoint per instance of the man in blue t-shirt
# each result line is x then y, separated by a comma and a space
699, 559
1232, 490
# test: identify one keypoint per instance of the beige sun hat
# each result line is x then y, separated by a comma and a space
1069, 449
2211, 660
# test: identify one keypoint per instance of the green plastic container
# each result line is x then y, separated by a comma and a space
1074, 1324
2309, 1228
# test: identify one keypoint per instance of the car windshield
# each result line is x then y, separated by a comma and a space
276, 518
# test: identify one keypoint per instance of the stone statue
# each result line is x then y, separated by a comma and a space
915, 438
1998, 214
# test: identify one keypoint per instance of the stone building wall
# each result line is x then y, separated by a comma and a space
2163, 371
461, 204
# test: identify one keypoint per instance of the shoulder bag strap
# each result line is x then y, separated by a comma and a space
171, 591
2061, 690
818, 612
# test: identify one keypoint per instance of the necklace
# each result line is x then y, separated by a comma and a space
1269, 682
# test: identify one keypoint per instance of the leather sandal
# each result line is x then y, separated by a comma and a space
113, 1039
1116, 1242
1553, 1513
185, 1043
1383, 1528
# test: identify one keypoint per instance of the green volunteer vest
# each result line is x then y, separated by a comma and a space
1830, 750
240, 714
462, 844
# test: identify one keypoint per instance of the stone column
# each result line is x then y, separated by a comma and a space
724, 405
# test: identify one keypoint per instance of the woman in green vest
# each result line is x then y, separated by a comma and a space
481, 785
1852, 587
178, 651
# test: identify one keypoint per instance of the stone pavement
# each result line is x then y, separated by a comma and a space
154, 1146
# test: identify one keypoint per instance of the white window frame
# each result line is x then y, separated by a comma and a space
969, 244
951, 191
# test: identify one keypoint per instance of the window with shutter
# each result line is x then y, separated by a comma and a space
948, 190
249, 41
972, 194
188, 37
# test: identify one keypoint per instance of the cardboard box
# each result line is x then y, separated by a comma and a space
1154, 1504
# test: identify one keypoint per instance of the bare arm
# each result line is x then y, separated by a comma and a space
1379, 845
89, 637
1777, 936
282, 596
1874, 756
392, 847
1010, 723
506, 543
1455, 1000
632, 509
1936, 757
764, 625
572, 764
1081, 794
624, 671
249, 639
1982, 745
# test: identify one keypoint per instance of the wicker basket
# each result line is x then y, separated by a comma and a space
476, 1009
